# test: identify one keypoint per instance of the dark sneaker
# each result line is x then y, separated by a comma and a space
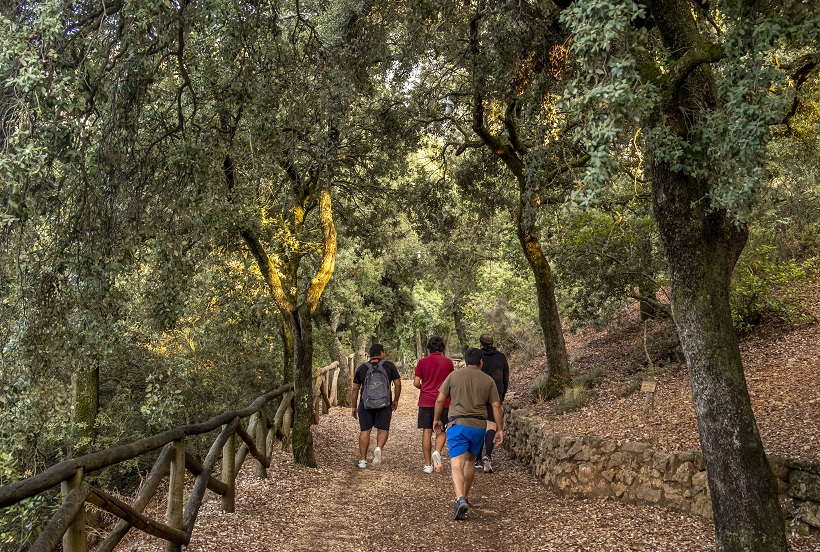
487, 465
460, 511
479, 466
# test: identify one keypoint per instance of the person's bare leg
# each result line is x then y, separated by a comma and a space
381, 437
364, 443
440, 440
457, 473
469, 472
427, 445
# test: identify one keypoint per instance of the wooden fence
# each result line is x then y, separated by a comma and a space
68, 522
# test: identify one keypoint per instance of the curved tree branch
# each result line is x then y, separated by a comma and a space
706, 52
806, 65
322, 277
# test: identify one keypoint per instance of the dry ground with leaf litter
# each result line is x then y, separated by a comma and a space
397, 507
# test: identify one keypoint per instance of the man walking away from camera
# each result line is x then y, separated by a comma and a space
376, 406
470, 390
431, 371
495, 365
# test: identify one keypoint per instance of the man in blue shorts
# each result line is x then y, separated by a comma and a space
470, 390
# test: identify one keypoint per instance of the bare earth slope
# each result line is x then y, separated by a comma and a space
782, 365
397, 507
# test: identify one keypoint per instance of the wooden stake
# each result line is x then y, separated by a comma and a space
74, 537
176, 486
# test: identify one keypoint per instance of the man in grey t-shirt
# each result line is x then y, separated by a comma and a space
470, 390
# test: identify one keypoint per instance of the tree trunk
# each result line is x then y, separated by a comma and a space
558, 375
287, 351
649, 309
361, 350
419, 346
85, 407
702, 247
301, 329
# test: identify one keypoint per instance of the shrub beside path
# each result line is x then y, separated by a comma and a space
339, 507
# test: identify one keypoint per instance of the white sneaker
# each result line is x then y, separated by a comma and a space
437, 461
377, 456
427, 469
362, 464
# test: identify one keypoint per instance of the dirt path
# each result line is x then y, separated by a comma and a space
397, 507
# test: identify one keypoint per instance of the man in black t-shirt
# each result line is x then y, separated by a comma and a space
496, 366
379, 417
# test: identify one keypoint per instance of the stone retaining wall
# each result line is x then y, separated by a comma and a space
633, 472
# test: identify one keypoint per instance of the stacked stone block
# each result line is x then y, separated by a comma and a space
632, 472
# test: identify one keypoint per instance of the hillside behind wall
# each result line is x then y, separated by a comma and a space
633, 472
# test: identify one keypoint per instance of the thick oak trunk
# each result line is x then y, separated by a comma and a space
301, 328
702, 249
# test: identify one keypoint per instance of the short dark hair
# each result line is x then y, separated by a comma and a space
435, 344
472, 357
375, 350
485, 339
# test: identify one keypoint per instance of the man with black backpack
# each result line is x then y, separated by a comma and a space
376, 406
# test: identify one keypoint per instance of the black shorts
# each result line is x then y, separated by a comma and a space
378, 418
490, 415
426, 417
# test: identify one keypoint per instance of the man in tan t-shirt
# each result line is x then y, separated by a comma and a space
470, 390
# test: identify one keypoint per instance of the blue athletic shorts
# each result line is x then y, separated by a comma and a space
461, 439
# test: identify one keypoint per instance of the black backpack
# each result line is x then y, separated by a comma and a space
376, 387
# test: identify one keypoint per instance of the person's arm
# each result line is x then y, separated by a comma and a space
396, 393
438, 425
498, 414
354, 399
417, 382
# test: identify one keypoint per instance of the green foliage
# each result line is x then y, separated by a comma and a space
725, 146
576, 395
22, 522
606, 90
504, 305
573, 398
765, 287
588, 379
604, 260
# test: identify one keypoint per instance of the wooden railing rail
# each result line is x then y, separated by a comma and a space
68, 522
325, 378
15, 492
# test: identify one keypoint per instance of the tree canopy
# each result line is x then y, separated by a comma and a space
190, 187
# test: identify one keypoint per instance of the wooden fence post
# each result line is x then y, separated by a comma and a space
176, 486
74, 537
334, 389
229, 473
287, 427
261, 439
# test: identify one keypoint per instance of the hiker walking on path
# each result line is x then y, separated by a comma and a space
431, 371
376, 407
470, 390
495, 365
